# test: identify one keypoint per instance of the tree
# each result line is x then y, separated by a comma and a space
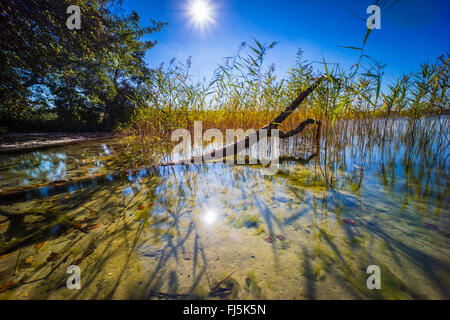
78, 75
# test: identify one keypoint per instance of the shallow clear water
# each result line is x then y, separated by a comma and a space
177, 232
33, 168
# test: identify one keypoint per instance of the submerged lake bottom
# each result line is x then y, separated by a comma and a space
223, 231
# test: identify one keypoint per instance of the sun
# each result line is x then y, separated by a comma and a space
201, 12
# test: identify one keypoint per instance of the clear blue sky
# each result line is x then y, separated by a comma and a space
412, 31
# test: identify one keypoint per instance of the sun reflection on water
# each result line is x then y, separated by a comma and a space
210, 216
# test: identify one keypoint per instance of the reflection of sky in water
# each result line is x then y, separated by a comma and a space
53, 164
106, 149
128, 191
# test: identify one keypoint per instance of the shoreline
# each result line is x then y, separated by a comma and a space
26, 142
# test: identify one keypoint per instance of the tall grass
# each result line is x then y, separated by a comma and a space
243, 94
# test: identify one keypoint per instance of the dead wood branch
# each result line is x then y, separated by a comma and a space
266, 131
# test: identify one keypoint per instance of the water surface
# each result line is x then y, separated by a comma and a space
177, 232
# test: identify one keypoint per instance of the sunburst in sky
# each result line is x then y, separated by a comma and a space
213, 29
201, 12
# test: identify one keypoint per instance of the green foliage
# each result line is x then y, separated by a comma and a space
78, 76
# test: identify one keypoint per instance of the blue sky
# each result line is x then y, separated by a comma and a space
412, 32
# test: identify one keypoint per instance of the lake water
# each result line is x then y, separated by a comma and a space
178, 232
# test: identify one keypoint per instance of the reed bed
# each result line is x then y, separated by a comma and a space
241, 94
